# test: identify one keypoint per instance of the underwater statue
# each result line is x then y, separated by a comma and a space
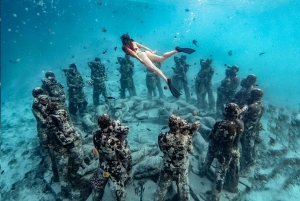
39, 106
54, 89
179, 78
77, 100
227, 89
98, 77
252, 127
203, 85
175, 145
65, 145
153, 83
224, 146
114, 159
243, 94
126, 80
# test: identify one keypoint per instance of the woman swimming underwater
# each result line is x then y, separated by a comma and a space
148, 56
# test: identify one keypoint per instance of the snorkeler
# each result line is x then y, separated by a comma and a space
148, 56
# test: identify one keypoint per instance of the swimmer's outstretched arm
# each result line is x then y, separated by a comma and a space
146, 48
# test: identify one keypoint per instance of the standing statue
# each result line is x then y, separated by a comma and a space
66, 147
203, 85
223, 146
153, 83
126, 80
253, 126
227, 89
98, 77
115, 162
54, 89
243, 94
175, 145
179, 78
75, 83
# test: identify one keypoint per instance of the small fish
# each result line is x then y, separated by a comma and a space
195, 42
2, 103
217, 73
99, 3
178, 108
10, 61
166, 87
115, 48
194, 19
148, 129
225, 64
256, 85
86, 135
164, 127
116, 62
91, 28
187, 10
250, 68
110, 97
108, 61
138, 124
195, 63
2, 171
118, 108
175, 36
262, 53
230, 52
104, 29
84, 47
73, 56
104, 51
95, 152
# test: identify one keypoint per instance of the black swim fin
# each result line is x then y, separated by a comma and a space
174, 91
185, 50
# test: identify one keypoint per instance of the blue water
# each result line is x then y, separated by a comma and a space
42, 35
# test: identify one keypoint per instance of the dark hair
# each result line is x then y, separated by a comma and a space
127, 42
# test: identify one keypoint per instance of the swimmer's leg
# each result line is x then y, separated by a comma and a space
148, 63
157, 58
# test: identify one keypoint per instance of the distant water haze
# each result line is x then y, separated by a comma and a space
52, 35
